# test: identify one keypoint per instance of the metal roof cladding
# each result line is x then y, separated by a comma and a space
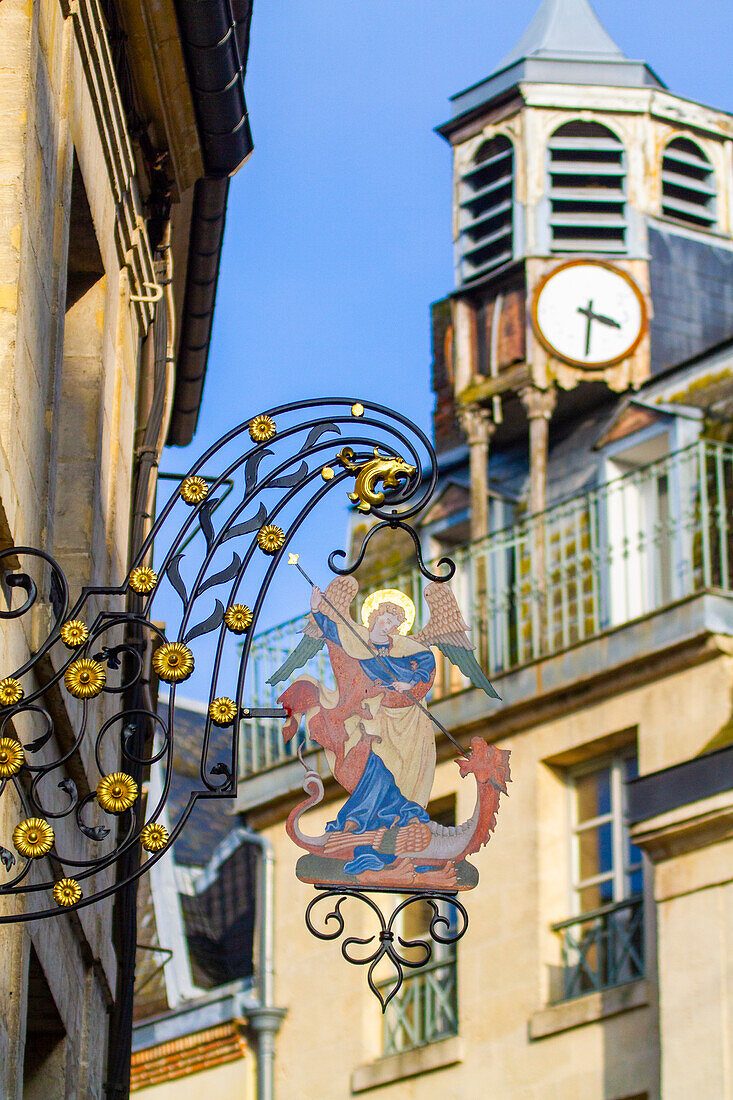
564, 44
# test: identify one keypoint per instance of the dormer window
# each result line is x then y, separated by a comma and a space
486, 209
587, 189
688, 184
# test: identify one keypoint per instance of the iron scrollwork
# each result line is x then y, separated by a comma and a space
68, 704
448, 923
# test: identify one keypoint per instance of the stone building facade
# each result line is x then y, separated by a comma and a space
114, 169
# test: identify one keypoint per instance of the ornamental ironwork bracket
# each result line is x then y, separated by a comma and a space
79, 724
447, 921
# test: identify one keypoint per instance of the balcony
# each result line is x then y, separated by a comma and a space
573, 575
425, 1009
602, 949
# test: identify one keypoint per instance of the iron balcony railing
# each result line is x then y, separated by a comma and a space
424, 1010
602, 948
601, 559
261, 740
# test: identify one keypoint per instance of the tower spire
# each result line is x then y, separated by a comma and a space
565, 29
564, 44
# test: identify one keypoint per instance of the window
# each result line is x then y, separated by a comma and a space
606, 865
649, 519
426, 1007
486, 209
587, 189
688, 184
603, 944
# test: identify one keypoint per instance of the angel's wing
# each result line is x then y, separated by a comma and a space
339, 594
447, 630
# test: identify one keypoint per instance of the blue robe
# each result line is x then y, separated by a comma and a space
375, 803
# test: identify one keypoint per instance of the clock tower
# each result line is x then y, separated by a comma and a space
593, 236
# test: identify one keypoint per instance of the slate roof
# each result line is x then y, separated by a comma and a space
211, 819
216, 876
692, 295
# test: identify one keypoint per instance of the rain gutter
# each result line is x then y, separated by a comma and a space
215, 40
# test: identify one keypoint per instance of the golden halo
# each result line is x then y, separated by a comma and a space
390, 595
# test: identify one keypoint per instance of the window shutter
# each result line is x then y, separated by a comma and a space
688, 184
587, 189
486, 209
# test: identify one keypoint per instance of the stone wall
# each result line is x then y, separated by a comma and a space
514, 1038
69, 355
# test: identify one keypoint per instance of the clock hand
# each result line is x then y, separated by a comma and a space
588, 312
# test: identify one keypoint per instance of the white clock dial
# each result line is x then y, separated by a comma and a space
589, 313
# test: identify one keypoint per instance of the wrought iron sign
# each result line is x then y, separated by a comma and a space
83, 694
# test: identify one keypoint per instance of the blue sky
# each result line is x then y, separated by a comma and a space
338, 233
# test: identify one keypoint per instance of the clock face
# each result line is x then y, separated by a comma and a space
589, 313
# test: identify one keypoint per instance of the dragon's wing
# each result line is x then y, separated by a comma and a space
447, 630
339, 594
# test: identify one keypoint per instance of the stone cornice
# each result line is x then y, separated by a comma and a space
687, 828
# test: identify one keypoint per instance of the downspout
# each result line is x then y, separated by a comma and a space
138, 697
265, 1019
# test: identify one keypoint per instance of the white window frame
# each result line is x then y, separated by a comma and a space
620, 873
631, 584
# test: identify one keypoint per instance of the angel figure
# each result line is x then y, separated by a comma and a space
378, 736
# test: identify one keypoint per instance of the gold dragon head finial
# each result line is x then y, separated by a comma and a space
388, 470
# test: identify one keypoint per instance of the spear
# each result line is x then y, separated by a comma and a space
293, 560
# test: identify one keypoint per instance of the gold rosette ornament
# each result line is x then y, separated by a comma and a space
85, 678
154, 837
12, 757
222, 711
116, 792
173, 662
270, 538
262, 428
33, 838
143, 579
74, 633
11, 692
66, 892
238, 618
194, 490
